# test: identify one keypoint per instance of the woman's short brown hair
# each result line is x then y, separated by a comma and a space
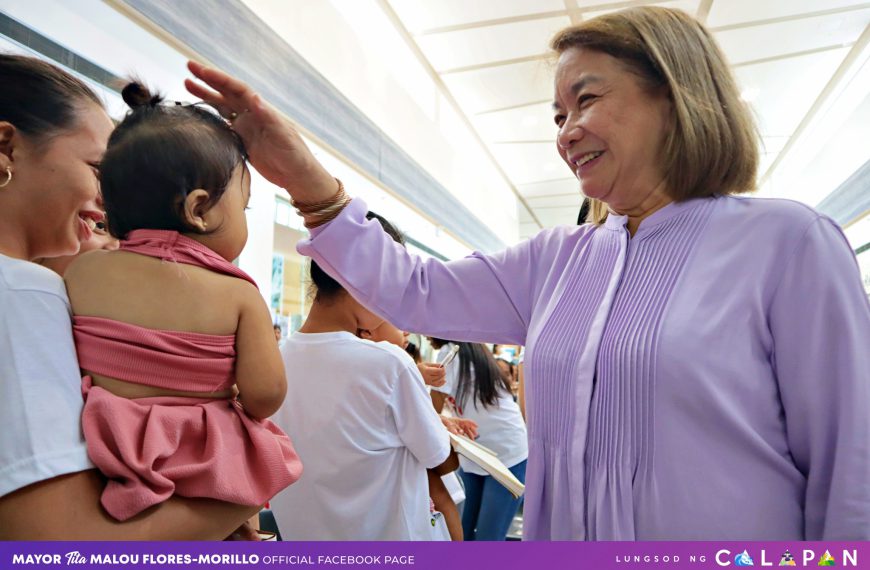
713, 146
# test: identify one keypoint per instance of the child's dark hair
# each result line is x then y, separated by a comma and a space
40, 99
325, 287
160, 153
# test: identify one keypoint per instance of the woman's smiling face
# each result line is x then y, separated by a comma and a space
612, 127
59, 179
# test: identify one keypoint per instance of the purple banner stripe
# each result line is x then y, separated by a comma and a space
435, 556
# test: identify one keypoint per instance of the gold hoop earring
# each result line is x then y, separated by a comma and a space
8, 178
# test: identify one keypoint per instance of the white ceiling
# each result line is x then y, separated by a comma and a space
793, 59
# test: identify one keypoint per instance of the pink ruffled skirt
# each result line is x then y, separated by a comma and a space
153, 448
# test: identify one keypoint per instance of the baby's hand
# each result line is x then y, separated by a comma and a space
245, 532
433, 374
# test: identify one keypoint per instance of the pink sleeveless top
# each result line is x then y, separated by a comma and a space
153, 448
176, 360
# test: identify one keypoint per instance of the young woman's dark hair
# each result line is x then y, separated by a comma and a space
157, 155
325, 287
479, 376
39, 99
583, 214
414, 351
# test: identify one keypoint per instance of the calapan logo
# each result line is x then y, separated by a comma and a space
827, 559
743, 559
787, 559
804, 558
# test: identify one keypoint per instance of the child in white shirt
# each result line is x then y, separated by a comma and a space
363, 424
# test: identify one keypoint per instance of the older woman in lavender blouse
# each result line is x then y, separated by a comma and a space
697, 363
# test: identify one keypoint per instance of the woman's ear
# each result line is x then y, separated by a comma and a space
364, 334
7, 143
194, 209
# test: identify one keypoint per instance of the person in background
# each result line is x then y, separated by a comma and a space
360, 415
521, 386
414, 352
276, 328
508, 373
583, 214
165, 347
432, 372
476, 390
688, 350
53, 133
94, 235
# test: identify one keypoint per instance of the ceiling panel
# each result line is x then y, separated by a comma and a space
489, 44
731, 12
801, 45
528, 230
772, 145
562, 184
688, 6
752, 43
424, 15
528, 123
572, 200
558, 216
765, 160
499, 87
525, 217
786, 89
530, 162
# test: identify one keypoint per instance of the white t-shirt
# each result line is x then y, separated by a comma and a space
501, 427
40, 384
364, 427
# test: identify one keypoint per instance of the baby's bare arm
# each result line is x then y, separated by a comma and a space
259, 369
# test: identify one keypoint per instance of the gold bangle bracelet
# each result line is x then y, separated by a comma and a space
315, 207
326, 215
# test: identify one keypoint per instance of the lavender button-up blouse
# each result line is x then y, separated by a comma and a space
707, 378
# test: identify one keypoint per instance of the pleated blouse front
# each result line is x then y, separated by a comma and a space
594, 364
705, 378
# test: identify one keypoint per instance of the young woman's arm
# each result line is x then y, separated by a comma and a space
438, 399
259, 369
68, 508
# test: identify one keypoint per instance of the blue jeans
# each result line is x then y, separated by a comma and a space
489, 507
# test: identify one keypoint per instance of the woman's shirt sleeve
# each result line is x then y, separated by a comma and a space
483, 298
820, 323
40, 384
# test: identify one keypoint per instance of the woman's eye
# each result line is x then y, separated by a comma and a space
583, 100
559, 119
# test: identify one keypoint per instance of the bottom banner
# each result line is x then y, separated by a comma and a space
420, 555
442, 556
